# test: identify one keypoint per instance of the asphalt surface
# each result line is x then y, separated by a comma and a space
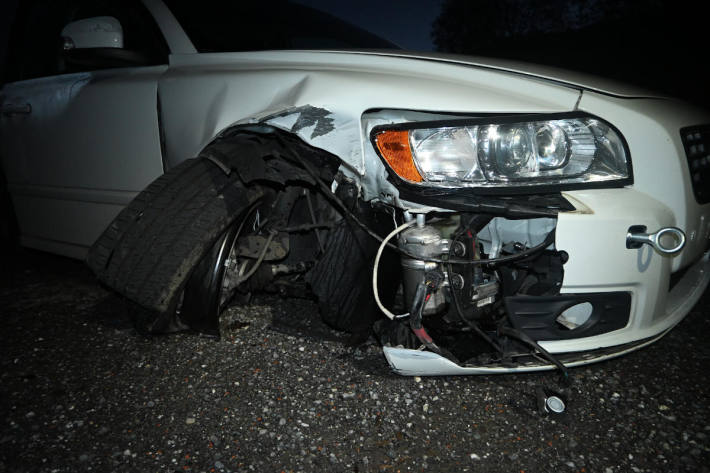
82, 390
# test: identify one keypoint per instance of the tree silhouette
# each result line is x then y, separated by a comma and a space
465, 26
657, 44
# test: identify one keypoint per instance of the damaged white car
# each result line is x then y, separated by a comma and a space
503, 217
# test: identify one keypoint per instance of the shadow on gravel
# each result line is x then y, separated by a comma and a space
121, 314
300, 318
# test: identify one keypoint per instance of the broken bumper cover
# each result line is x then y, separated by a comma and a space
679, 301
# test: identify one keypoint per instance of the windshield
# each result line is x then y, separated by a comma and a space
218, 26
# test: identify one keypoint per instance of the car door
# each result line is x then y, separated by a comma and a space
79, 132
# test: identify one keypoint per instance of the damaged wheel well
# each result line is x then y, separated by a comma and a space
263, 153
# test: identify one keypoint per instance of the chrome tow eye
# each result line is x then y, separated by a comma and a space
637, 236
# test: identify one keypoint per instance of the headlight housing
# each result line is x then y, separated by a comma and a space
563, 150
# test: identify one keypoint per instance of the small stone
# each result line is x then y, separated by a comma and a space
127, 452
219, 465
282, 421
417, 379
425, 407
190, 420
83, 457
474, 457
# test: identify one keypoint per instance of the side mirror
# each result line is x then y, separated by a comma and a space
96, 32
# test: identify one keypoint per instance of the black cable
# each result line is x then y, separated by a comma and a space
304, 228
502, 259
328, 192
418, 303
424, 290
523, 337
474, 326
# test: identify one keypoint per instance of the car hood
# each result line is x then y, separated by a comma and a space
561, 76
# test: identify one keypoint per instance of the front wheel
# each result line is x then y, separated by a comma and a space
216, 278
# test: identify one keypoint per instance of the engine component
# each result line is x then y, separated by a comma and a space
485, 293
424, 241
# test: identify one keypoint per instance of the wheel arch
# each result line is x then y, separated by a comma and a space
150, 250
263, 152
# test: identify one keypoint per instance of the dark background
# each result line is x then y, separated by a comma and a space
658, 44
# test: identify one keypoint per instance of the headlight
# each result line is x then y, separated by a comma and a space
566, 150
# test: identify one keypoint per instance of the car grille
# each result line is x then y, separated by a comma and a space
696, 140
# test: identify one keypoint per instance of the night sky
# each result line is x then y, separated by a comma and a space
407, 23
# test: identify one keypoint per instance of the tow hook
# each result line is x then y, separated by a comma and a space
637, 237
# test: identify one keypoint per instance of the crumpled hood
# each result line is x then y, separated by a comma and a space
554, 74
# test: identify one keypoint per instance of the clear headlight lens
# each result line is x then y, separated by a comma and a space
502, 152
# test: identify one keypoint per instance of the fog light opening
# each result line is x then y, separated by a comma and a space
575, 316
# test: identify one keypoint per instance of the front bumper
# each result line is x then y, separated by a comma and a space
678, 303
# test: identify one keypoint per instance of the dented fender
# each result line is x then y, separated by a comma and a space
322, 97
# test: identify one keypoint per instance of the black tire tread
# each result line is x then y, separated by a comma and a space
149, 250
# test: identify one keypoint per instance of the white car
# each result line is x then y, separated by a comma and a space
503, 217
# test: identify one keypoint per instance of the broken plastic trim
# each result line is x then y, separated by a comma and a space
409, 362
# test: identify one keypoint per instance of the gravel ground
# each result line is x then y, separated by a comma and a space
82, 390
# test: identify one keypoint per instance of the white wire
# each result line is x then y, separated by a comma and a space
377, 264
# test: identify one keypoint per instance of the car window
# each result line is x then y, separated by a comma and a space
35, 38
271, 24
37, 51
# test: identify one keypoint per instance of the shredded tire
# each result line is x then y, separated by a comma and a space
148, 252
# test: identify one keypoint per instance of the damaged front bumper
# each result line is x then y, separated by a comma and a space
679, 301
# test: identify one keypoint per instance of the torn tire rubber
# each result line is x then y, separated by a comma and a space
148, 252
208, 292
342, 277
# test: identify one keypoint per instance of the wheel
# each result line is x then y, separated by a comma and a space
216, 278
149, 251
250, 255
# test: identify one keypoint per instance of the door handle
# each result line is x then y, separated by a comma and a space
15, 109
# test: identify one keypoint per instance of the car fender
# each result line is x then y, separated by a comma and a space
321, 97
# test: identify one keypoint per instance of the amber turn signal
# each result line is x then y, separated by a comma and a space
394, 148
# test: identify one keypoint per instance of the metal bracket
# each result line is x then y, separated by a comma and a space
252, 246
636, 237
